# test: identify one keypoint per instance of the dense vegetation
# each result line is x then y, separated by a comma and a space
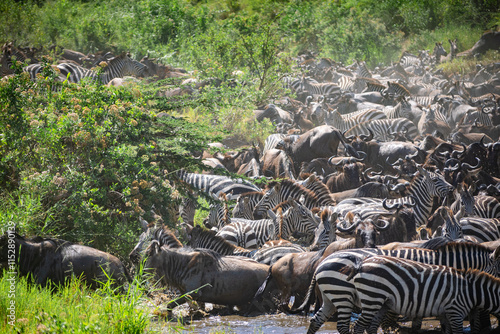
84, 162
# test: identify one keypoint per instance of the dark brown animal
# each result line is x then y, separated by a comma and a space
320, 142
55, 261
223, 280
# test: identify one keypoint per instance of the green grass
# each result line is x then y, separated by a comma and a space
73, 308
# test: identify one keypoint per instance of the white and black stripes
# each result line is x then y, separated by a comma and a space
348, 121
214, 185
339, 293
420, 290
117, 67
327, 89
382, 128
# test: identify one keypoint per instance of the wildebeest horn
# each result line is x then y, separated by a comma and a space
348, 139
414, 155
391, 178
365, 137
362, 155
398, 187
389, 207
482, 141
397, 162
348, 229
349, 150
468, 167
458, 154
484, 112
452, 162
383, 227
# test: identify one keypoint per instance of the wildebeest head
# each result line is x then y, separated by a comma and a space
364, 231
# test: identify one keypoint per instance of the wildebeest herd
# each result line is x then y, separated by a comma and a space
382, 198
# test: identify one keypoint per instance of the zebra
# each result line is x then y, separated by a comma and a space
245, 204
345, 83
278, 192
347, 121
451, 229
383, 128
239, 234
160, 233
395, 89
338, 293
269, 255
296, 219
407, 59
200, 238
362, 71
117, 67
187, 209
327, 89
486, 206
438, 52
325, 233
375, 87
213, 185
424, 188
481, 229
401, 110
420, 290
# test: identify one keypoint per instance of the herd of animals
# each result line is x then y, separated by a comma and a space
382, 198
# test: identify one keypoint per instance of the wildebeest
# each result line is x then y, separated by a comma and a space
53, 261
319, 142
224, 280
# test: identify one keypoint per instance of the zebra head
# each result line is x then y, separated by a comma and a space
300, 219
268, 201
439, 51
325, 232
435, 184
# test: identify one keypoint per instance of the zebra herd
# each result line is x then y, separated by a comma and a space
73, 67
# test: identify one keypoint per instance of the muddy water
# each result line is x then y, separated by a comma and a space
275, 323
286, 324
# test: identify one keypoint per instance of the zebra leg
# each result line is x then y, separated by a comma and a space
326, 310
416, 325
344, 319
479, 321
375, 323
365, 319
455, 322
390, 321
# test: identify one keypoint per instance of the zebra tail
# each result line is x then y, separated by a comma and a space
308, 300
262, 288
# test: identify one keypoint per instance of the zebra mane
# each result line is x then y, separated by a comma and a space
201, 237
166, 231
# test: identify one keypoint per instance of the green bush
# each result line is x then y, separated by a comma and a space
96, 158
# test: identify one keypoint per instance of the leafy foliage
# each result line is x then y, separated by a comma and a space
96, 158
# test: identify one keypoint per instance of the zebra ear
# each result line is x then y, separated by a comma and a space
153, 249
144, 223
496, 253
422, 170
